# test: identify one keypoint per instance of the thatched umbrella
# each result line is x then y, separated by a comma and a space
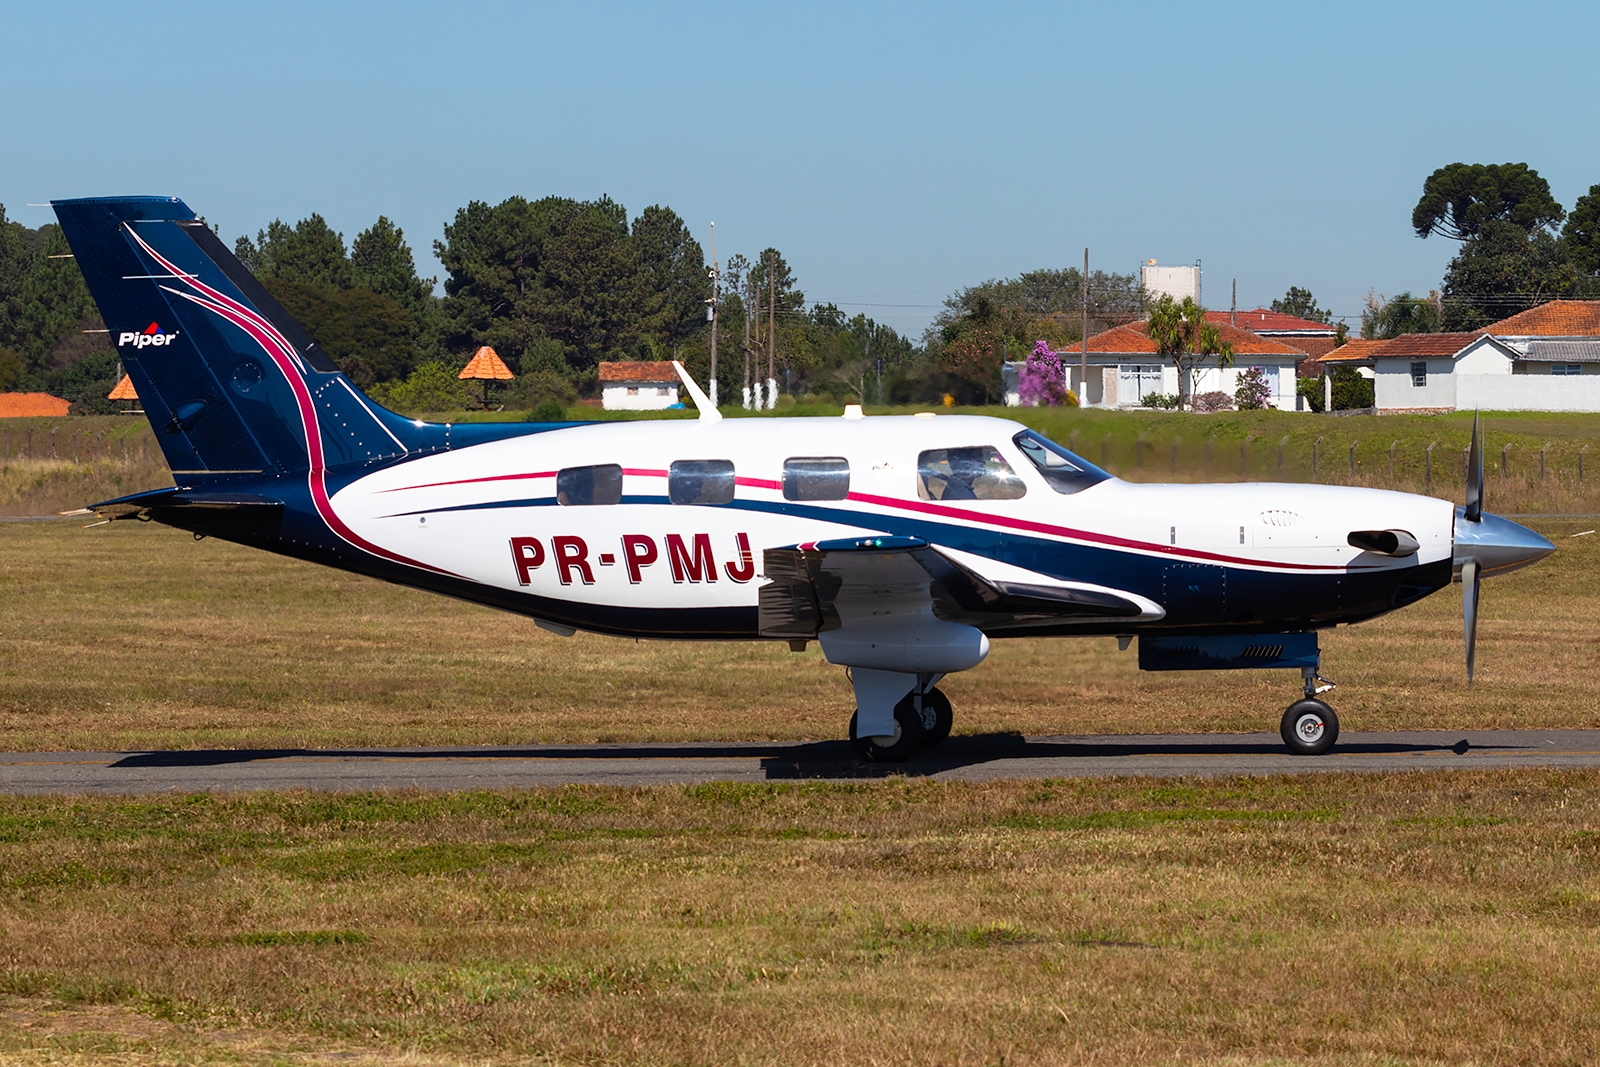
487, 366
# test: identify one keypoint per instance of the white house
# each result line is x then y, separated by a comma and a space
1543, 359
1124, 367
638, 386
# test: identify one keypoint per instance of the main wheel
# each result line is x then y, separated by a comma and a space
907, 737
1309, 727
937, 718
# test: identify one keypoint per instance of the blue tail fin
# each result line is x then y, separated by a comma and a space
230, 382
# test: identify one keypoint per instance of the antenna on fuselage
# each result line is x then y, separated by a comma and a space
708, 411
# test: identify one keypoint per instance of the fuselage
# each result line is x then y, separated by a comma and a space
488, 523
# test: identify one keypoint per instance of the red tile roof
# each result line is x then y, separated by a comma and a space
1558, 318
1135, 338
640, 371
1419, 345
22, 405
486, 365
1263, 321
1354, 350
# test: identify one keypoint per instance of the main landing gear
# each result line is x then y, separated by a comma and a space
1309, 726
922, 719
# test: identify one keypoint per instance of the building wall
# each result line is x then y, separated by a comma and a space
1392, 388
1528, 392
646, 396
1176, 282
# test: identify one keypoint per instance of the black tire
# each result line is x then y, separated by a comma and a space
908, 735
1309, 727
943, 718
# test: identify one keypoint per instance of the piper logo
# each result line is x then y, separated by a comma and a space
152, 335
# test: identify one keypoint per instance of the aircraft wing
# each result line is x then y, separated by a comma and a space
823, 585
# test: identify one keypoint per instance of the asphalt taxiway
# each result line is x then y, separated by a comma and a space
962, 757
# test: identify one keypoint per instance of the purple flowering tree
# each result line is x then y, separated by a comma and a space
1043, 381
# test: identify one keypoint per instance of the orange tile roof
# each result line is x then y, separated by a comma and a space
124, 390
23, 405
1353, 350
639, 371
1558, 318
486, 364
1135, 338
1418, 345
1260, 320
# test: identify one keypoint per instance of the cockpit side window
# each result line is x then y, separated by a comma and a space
700, 481
587, 486
1063, 471
975, 473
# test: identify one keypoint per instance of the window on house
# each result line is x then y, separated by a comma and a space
816, 478
976, 473
633, 390
662, 391
582, 486
1419, 373
700, 481
1137, 381
1063, 471
1566, 368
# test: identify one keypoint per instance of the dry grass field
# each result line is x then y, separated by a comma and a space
1432, 918
134, 636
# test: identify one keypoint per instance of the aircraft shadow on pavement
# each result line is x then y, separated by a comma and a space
812, 759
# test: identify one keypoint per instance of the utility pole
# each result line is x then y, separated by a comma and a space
1083, 362
711, 314
1233, 308
749, 310
772, 331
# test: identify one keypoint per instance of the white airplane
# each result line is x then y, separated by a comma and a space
901, 544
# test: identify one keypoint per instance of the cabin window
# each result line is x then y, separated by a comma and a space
1566, 368
976, 473
700, 481
816, 478
1062, 470
581, 486
1419, 373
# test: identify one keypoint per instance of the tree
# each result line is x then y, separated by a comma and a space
1301, 304
791, 301
673, 276
1183, 335
1040, 301
1459, 200
1503, 270
366, 333
310, 252
1383, 319
380, 260
1582, 232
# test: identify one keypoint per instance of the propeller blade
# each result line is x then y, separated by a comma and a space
1474, 511
1469, 611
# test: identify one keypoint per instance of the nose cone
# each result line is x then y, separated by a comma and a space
1499, 545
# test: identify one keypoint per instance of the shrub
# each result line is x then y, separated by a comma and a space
1253, 393
1213, 401
431, 387
785, 402
1042, 382
1160, 400
548, 410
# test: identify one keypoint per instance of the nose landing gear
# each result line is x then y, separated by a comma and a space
1310, 727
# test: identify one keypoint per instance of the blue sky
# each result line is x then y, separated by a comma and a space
893, 152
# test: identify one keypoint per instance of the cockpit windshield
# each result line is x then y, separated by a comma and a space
1063, 471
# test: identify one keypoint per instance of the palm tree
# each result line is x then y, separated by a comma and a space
1183, 335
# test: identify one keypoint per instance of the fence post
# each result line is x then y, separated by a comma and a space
1391, 461
53, 430
1176, 441
1138, 451
1316, 447
30, 442
1244, 454
1581, 451
1353, 457
1281, 443
75, 434
8, 443
144, 447
1542, 453
1504, 465
1104, 441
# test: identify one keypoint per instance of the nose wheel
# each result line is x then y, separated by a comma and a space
1309, 727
